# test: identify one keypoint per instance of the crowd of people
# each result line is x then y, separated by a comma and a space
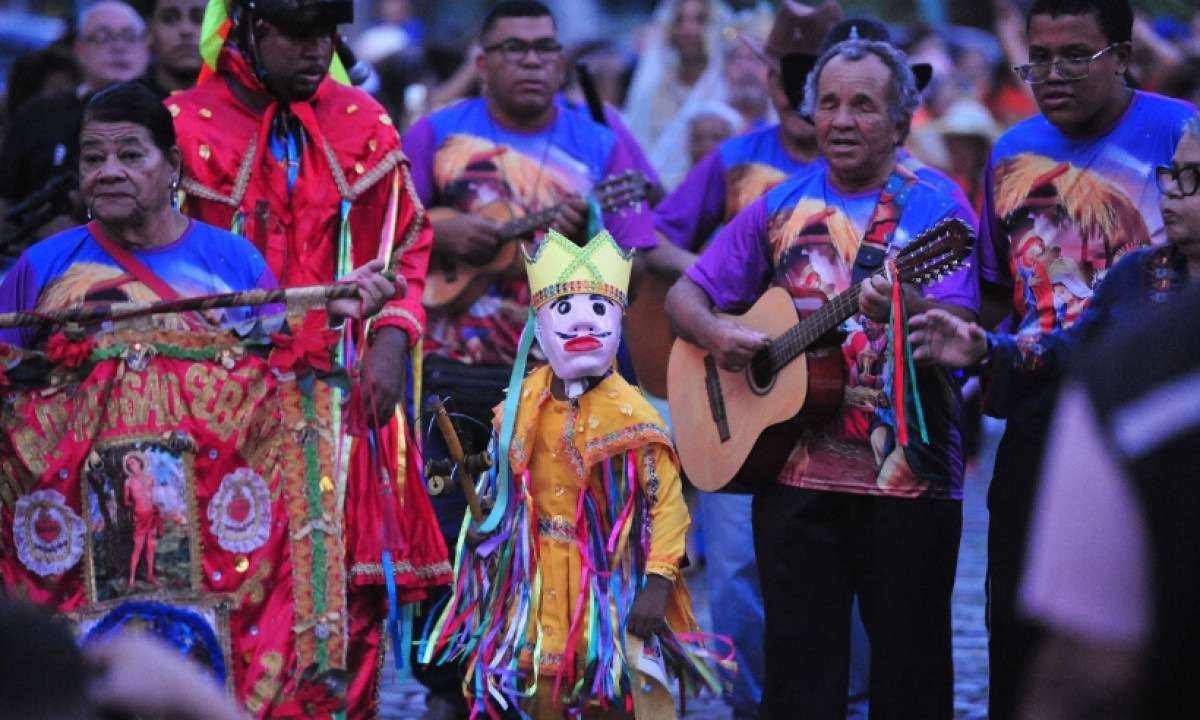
505, 206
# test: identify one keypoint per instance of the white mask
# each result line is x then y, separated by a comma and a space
579, 335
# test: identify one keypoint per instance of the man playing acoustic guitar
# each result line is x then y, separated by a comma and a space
868, 501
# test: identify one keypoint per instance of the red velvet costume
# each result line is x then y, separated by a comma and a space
350, 160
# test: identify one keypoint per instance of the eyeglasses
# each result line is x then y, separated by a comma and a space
1073, 68
107, 37
514, 50
1178, 182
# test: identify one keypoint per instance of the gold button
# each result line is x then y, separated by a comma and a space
385, 119
174, 110
593, 423
204, 152
626, 409
351, 109
205, 113
358, 168
373, 144
242, 564
559, 490
326, 484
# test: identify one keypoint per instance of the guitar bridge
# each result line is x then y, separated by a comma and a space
716, 400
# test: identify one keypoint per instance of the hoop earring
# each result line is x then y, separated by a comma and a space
173, 194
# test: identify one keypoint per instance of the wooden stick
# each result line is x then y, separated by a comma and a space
312, 294
456, 454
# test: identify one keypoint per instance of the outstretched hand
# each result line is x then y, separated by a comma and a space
940, 337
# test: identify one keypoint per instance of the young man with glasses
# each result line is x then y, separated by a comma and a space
1067, 193
311, 172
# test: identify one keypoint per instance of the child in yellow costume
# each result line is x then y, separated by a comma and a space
578, 558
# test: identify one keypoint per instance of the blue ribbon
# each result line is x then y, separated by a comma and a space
508, 420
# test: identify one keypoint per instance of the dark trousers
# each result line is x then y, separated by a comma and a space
815, 551
469, 393
1011, 638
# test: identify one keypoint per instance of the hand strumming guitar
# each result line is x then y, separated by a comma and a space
572, 219
472, 238
732, 344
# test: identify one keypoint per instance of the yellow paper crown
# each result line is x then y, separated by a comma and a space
560, 267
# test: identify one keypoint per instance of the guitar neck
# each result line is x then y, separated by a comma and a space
527, 224
793, 343
608, 193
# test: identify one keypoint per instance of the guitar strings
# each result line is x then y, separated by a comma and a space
922, 259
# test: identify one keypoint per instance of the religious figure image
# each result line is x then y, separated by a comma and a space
137, 508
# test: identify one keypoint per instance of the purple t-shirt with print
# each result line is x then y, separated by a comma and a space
804, 236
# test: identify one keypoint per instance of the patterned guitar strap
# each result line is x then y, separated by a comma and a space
872, 254
872, 251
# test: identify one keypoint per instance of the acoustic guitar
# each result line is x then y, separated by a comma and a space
735, 430
453, 284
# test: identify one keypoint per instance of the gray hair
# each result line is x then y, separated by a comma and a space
904, 97
1192, 127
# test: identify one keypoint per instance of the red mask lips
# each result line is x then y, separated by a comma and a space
584, 343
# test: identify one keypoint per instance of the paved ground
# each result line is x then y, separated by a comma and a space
404, 699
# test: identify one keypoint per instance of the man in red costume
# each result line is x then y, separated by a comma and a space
310, 171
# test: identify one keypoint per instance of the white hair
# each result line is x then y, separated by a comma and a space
1192, 126
86, 15
718, 109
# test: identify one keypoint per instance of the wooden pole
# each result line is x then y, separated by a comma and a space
456, 454
312, 294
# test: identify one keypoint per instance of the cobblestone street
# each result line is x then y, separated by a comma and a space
404, 699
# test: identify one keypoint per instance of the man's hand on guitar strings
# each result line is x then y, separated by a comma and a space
875, 298
572, 219
733, 345
472, 238
939, 337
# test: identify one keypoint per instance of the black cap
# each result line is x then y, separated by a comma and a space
795, 67
302, 17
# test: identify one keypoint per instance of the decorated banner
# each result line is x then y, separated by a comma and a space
185, 482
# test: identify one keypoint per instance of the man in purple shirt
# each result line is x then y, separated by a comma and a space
854, 511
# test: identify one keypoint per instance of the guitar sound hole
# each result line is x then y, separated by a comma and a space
760, 374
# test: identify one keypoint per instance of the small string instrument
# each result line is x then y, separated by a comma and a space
454, 284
